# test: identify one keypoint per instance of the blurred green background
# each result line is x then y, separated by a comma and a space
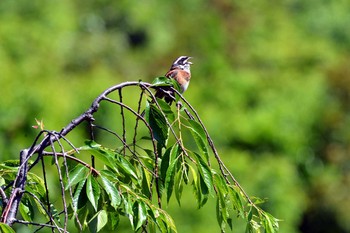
271, 81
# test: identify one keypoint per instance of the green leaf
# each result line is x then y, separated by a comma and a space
166, 82
140, 214
158, 124
146, 182
25, 212
36, 184
204, 191
178, 185
270, 223
111, 190
236, 201
252, 225
224, 202
102, 220
196, 186
199, 136
165, 164
4, 228
98, 221
126, 166
219, 215
128, 209
36, 204
161, 82
76, 175
93, 191
169, 179
223, 207
166, 109
205, 172
165, 222
76, 196
104, 154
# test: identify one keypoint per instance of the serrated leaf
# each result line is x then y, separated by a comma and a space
195, 185
165, 107
109, 174
161, 82
76, 175
270, 223
199, 136
128, 209
170, 174
126, 166
104, 154
166, 82
223, 208
236, 201
158, 124
220, 213
140, 214
146, 182
76, 196
204, 191
111, 191
98, 221
102, 219
165, 220
178, 186
165, 164
93, 191
205, 172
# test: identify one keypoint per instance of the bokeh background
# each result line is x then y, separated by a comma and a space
271, 81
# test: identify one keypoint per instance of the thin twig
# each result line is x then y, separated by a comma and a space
45, 153
41, 227
3, 197
122, 116
46, 188
68, 178
38, 224
137, 120
61, 182
46, 211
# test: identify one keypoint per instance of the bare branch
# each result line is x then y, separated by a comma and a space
38, 224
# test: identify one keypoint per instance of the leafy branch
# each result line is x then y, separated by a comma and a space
152, 161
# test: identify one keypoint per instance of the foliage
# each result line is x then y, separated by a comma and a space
128, 179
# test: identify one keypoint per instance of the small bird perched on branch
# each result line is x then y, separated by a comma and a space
179, 71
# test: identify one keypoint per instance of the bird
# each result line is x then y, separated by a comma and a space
179, 71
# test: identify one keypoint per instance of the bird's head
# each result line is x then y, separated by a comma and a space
182, 63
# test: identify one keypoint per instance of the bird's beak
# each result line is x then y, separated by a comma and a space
189, 61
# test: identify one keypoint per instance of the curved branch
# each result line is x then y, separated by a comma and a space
10, 211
